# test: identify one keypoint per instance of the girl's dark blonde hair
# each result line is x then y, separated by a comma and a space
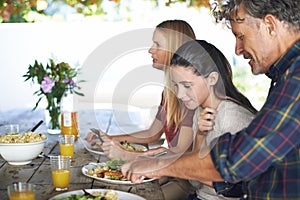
177, 32
204, 58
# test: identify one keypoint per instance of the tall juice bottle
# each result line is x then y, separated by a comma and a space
69, 124
69, 119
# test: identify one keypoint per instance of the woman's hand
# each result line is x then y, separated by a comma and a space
93, 137
206, 119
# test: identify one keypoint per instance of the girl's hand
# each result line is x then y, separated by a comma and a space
206, 119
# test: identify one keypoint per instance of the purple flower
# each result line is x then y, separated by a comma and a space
47, 85
65, 80
71, 82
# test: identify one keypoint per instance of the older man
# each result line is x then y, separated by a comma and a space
265, 156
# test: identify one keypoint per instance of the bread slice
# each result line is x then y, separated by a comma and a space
114, 175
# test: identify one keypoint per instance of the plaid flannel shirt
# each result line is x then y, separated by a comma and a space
266, 154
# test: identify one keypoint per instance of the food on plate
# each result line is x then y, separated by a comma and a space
110, 170
128, 146
96, 146
22, 138
114, 164
113, 175
109, 195
132, 147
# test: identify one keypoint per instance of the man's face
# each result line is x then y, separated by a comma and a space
253, 41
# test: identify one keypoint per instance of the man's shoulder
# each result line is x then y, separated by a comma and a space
292, 72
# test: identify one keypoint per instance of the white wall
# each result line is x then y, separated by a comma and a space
83, 43
21, 44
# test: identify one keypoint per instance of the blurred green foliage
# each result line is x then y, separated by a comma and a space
19, 10
255, 87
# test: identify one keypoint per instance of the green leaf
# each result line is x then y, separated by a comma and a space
78, 93
61, 74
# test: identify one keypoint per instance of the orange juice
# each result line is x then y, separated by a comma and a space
67, 150
24, 195
61, 178
69, 125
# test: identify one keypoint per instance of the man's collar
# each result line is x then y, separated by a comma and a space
282, 64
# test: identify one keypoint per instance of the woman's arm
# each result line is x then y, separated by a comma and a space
185, 140
152, 134
113, 149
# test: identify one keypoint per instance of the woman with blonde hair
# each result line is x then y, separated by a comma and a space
168, 36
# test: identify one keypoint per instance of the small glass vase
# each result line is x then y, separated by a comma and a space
53, 118
51, 123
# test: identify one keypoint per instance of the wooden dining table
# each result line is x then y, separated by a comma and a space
38, 172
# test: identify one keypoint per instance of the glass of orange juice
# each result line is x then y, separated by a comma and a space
21, 191
66, 145
60, 169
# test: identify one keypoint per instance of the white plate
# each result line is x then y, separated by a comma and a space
85, 169
89, 148
121, 195
137, 146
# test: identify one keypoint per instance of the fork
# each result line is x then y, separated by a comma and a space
87, 194
96, 131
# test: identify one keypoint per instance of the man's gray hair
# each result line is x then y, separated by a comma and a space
284, 10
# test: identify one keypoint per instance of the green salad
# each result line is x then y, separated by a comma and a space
114, 163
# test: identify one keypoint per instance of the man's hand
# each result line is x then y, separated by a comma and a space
137, 170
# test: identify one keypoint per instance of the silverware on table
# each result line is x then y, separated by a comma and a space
43, 155
35, 127
87, 194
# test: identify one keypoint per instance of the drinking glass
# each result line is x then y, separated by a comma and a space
66, 145
21, 191
11, 129
60, 168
